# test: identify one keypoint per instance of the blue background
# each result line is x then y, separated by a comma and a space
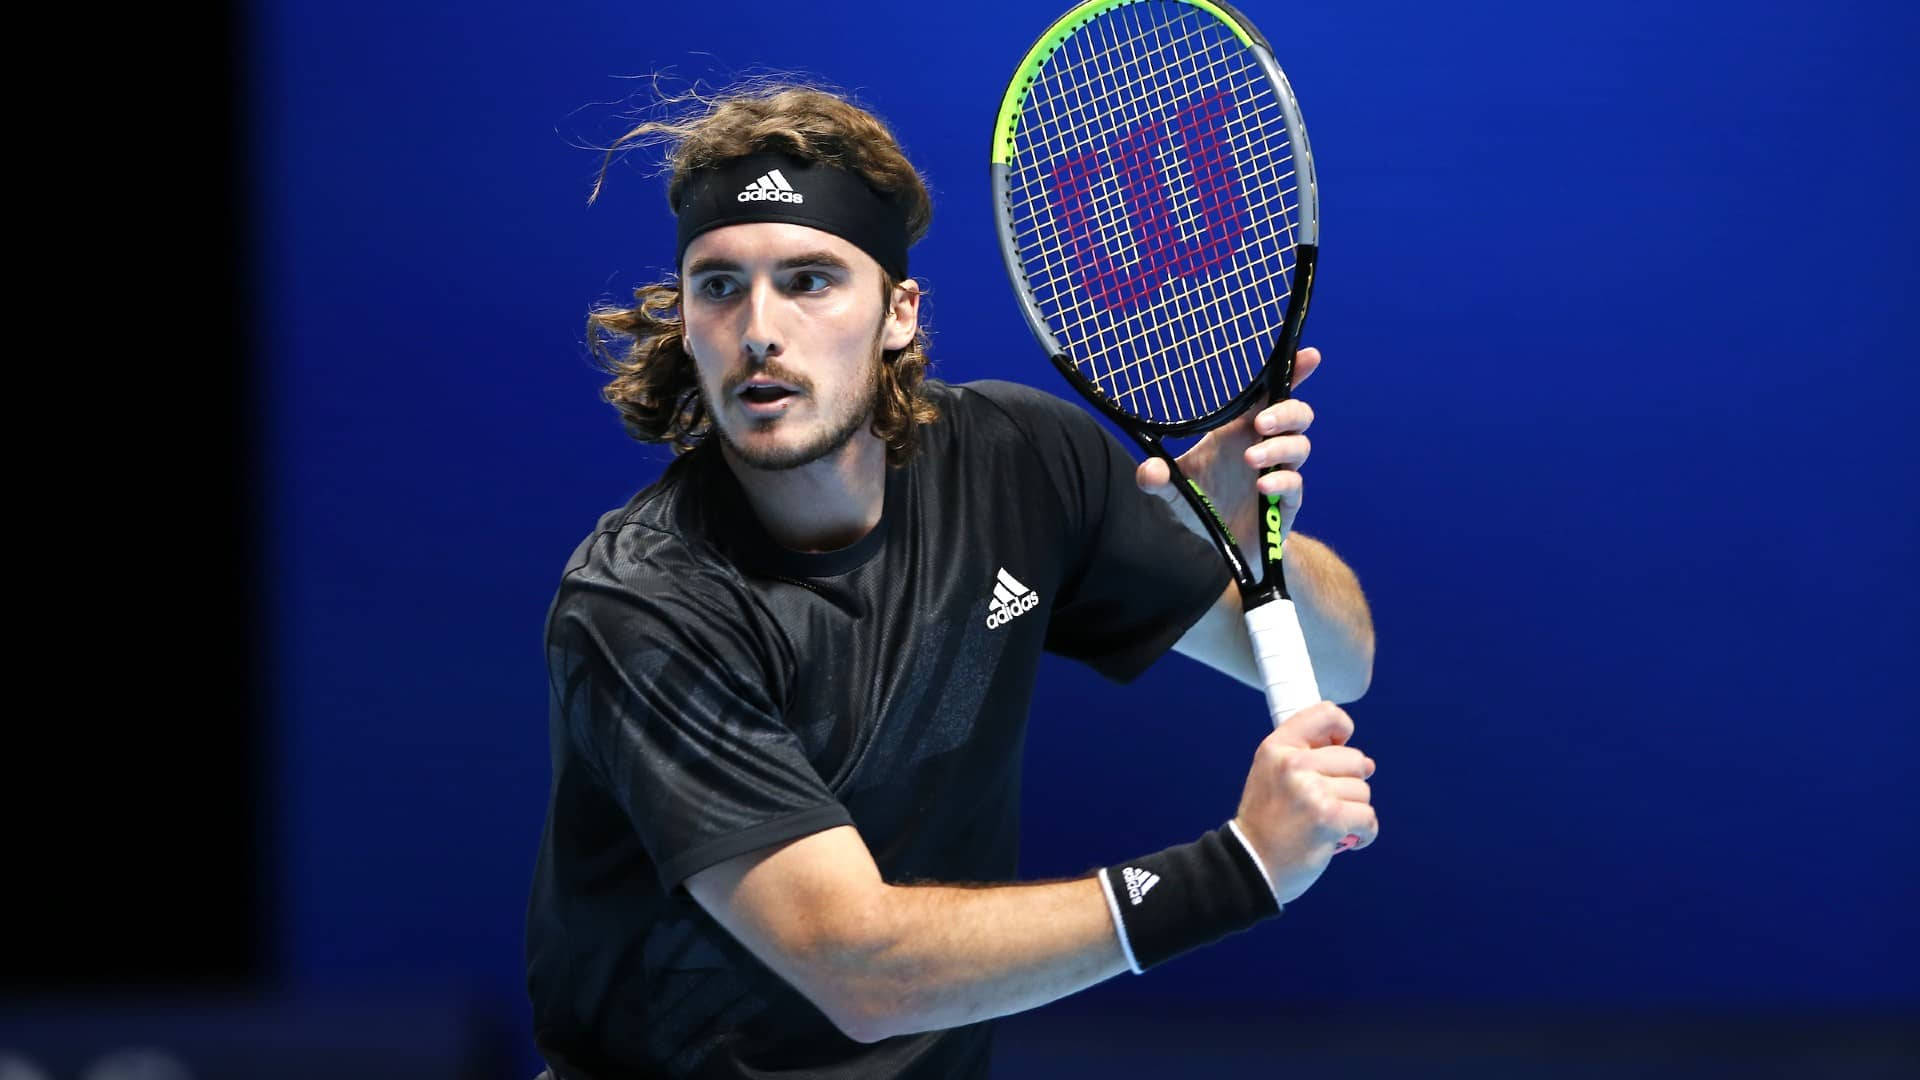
1615, 424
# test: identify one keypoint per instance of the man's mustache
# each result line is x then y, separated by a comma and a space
769, 370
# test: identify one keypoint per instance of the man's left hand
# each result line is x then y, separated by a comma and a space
1226, 463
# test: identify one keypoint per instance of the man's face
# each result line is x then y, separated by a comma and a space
787, 327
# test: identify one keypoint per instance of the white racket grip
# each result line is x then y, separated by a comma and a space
1281, 650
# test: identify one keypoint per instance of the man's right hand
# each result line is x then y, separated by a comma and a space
1306, 793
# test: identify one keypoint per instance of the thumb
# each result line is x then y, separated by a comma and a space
1154, 478
1321, 724
1305, 362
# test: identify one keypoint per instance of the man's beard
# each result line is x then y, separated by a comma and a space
840, 430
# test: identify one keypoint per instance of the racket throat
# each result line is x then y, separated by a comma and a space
1204, 511
1273, 540
1271, 585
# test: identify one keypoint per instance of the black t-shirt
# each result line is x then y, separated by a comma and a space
714, 693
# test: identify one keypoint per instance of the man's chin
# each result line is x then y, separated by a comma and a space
775, 446
773, 458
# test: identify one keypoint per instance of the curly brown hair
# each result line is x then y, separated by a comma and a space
655, 385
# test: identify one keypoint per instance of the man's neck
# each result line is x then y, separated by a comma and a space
822, 506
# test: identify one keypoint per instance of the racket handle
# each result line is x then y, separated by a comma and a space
1281, 650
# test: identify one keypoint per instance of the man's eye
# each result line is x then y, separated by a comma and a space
716, 288
809, 281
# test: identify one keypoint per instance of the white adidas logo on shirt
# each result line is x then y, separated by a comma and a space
1138, 882
771, 188
1010, 600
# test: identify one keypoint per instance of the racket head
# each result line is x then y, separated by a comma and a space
1157, 209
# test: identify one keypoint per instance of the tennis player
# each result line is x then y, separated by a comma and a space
790, 680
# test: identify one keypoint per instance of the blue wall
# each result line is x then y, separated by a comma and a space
1616, 425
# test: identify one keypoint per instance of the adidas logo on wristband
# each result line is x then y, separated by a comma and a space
1138, 882
1214, 887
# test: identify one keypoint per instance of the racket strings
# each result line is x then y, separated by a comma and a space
1210, 396
1114, 212
1261, 331
1057, 74
1160, 307
1155, 30
1185, 347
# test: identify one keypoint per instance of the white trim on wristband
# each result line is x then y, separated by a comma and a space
1254, 855
1120, 927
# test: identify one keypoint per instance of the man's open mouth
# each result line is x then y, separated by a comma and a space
763, 392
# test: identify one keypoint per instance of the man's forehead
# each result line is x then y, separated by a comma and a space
772, 242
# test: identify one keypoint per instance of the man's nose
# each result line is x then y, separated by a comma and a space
760, 338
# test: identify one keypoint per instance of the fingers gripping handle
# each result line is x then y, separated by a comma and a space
1281, 651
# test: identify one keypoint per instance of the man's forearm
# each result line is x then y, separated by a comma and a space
885, 960
939, 956
1334, 619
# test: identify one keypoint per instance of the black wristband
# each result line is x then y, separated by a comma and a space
1187, 896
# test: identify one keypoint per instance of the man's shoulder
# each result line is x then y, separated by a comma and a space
1017, 407
1003, 395
649, 550
1045, 423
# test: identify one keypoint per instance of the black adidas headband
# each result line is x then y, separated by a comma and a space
776, 187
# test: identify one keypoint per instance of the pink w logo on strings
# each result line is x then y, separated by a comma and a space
1168, 247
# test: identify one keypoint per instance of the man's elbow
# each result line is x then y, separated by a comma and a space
1347, 682
858, 1015
862, 1013
1349, 687
868, 1004
854, 1001
816, 913
838, 969
859, 1025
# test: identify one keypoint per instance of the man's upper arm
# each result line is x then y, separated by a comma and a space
676, 705
805, 908
1138, 578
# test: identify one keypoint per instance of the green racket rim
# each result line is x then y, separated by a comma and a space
1062, 29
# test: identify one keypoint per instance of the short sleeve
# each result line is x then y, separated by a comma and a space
673, 697
1137, 578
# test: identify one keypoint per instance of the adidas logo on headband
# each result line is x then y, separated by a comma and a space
771, 187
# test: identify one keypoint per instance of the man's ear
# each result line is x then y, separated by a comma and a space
903, 316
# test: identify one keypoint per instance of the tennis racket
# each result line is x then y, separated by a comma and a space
1157, 212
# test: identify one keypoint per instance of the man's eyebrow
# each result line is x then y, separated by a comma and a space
712, 264
814, 258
